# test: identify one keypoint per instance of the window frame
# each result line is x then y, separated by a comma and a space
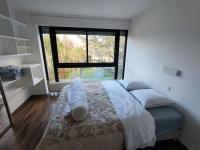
56, 64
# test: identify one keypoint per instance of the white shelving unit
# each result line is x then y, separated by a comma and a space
13, 45
19, 46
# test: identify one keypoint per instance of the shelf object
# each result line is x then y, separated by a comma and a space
30, 75
30, 67
12, 20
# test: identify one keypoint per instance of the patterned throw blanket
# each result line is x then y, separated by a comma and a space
101, 129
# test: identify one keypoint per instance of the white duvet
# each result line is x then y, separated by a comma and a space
138, 124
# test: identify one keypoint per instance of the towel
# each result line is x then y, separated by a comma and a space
10, 72
77, 98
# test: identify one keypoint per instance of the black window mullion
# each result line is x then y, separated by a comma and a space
116, 56
87, 46
43, 52
54, 52
125, 47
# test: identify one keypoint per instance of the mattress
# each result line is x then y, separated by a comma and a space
167, 119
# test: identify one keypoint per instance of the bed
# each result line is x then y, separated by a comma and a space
116, 119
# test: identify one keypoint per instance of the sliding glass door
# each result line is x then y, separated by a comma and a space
91, 54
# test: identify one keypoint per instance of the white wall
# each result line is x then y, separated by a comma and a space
169, 35
47, 20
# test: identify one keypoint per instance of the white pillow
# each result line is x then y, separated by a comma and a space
150, 98
133, 85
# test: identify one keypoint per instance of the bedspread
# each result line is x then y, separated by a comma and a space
138, 124
101, 129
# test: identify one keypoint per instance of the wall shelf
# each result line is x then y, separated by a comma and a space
15, 44
12, 91
13, 38
7, 83
31, 66
12, 20
14, 55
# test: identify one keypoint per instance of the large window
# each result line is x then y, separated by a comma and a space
91, 54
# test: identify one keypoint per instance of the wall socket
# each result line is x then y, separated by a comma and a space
169, 89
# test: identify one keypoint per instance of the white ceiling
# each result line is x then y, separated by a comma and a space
111, 9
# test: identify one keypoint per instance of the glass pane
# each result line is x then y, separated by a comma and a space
121, 56
98, 73
48, 55
101, 48
71, 48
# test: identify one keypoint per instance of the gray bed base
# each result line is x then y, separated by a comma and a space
170, 135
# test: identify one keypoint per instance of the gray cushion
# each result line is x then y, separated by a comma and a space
150, 98
131, 85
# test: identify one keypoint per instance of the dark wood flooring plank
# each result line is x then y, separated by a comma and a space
30, 122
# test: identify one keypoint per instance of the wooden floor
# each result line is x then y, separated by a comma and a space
30, 122
4, 121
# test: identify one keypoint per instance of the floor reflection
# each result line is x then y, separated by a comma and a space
4, 121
